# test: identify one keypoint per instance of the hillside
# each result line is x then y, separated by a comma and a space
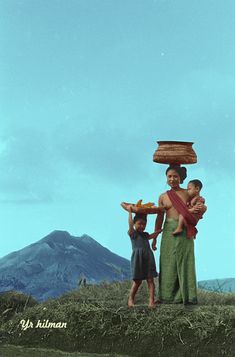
219, 285
98, 321
54, 265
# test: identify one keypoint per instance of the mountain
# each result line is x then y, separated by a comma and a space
220, 285
54, 265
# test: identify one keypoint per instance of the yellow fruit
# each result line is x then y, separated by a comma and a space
139, 203
148, 205
144, 205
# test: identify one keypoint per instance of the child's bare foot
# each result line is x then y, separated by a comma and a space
157, 302
177, 231
152, 305
130, 302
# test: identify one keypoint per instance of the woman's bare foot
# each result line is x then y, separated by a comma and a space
130, 302
177, 231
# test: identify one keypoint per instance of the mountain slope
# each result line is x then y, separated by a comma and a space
54, 265
219, 285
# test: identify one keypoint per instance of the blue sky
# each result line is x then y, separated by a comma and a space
87, 88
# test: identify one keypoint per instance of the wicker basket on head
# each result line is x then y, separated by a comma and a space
175, 152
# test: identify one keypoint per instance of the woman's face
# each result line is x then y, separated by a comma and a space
173, 178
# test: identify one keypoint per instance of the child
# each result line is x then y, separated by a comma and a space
142, 260
194, 187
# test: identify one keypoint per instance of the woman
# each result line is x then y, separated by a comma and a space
177, 280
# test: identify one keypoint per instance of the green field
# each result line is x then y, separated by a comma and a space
98, 321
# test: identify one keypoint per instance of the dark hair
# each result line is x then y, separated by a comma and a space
197, 183
181, 171
139, 216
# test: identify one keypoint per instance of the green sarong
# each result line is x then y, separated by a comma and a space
177, 278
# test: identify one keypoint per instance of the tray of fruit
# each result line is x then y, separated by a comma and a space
142, 208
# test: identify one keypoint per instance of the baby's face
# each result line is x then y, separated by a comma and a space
192, 190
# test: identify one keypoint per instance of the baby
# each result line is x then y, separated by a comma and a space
194, 187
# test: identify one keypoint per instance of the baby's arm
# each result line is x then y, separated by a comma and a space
130, 222
197, 201
201, 200
201, 205
202, 208
198, 211
197, 205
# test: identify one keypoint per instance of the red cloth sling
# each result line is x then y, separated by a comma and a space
182, 209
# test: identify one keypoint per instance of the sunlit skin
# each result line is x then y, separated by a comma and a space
173, 180
140, 226
193, 191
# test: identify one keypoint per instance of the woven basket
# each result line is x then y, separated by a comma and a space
175, 152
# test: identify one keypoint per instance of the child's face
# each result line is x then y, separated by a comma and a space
140, 225
192, 190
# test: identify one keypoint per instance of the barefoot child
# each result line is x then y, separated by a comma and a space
194, 188
142, 260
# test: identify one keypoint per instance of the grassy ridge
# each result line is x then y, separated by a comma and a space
18, 351
99, 321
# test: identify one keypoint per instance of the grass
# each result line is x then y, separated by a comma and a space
12, 302
98, 320
19, 351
